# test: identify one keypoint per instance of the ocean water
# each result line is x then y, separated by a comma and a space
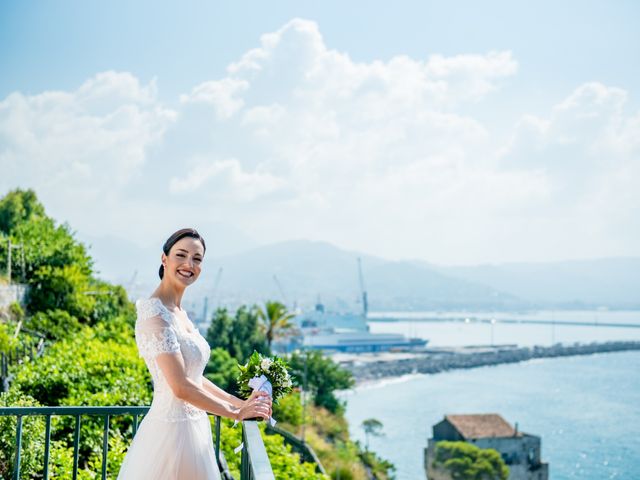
586, 409
479, 330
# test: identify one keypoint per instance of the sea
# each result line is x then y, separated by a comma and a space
586, 409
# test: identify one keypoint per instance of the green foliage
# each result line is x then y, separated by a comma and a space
55, 324
18, 206
32, 452
466, 461
86, 369
324, 377
7, 340
289, 409
239, 335
111, 301
16, 312
61, 288
284, 462
46, 244
380, 468
222, 370
276, 320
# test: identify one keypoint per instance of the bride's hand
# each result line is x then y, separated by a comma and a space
259, 394
257, 405
263, 396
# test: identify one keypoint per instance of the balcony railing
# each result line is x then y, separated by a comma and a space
255, 463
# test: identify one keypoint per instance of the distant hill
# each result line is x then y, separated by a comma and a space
309, 270
312, 270
613, 282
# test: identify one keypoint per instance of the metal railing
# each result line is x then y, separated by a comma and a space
255, 463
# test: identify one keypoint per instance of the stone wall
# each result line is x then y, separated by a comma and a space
12, 293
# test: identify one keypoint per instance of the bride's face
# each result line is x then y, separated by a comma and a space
182, 265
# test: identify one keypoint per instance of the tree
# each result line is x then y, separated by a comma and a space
46, 244
61, 288
239, 335
276, 320
465, 461
18, 206
323, 378
222, 369
371, 427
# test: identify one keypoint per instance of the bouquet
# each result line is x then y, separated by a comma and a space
265, 374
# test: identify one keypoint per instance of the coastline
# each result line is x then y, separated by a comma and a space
366, 367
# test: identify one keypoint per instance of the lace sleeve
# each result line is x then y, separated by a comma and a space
154, 335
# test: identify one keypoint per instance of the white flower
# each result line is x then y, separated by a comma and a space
287, 383
265, 364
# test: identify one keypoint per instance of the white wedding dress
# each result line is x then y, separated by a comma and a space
174, 441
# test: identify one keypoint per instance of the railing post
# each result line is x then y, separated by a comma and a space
217, 439
47, 442
76, 447
105, 447
16, 467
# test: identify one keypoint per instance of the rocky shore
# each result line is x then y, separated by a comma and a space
373, 366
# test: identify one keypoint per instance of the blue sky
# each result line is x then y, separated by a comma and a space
455, 132
56, 45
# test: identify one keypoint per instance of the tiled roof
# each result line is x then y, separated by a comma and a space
481, 426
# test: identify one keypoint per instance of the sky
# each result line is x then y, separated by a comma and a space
454, 132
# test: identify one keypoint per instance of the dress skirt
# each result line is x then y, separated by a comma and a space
171, 450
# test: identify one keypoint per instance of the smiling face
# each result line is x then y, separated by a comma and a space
182, 265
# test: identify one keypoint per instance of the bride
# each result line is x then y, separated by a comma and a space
174, 439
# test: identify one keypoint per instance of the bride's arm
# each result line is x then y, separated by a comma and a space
173, 369
216, 391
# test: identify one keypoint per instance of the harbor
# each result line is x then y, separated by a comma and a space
585, 409
375, 366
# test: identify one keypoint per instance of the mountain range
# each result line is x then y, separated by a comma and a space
303, 272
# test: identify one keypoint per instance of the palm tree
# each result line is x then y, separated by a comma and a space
276, 320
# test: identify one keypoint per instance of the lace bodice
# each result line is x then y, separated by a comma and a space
157, 331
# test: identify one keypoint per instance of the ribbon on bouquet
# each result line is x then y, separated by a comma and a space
260, 384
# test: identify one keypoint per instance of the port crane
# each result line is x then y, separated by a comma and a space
363, 291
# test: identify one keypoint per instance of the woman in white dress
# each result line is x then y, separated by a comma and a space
174, 441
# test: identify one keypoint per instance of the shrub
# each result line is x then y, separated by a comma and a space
60, 288
55, 324
289, 409
222, 370
32, 451
324, 377
467, 461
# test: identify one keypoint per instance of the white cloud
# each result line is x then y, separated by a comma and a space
79, 149
299, 140
221, 94
225, 178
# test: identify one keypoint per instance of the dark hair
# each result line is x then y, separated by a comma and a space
179, 235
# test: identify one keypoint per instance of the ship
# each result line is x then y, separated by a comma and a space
347, 331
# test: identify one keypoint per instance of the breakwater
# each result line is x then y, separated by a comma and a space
440, 360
